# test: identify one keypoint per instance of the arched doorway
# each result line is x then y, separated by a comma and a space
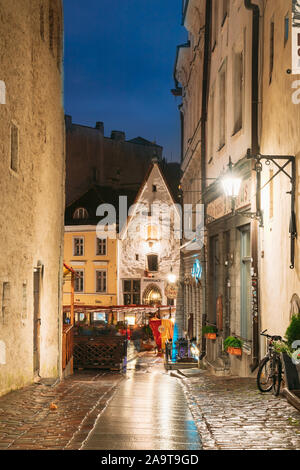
152, 295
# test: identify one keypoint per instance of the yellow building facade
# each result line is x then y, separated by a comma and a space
94, 259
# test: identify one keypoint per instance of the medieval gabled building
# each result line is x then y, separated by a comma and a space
148, 259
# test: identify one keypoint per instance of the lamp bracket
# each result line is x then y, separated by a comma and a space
282, 162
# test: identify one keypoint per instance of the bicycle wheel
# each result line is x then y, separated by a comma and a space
277, 376
264, 378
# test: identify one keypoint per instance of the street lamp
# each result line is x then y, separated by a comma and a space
231, 184
172, 277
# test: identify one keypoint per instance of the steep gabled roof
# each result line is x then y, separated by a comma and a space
141, 190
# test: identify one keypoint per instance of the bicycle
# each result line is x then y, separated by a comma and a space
269, 375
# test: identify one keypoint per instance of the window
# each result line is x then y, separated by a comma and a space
101, 247
222, 114
24, 300
286, 28
212, 125
131, 292
14, 148
238, 90
42, 22
51, 28
78, 246
101, 277
80, 213
152, 232
152, 263
272, 30
58, 45
224, 11
154, 188
79, 281
5, 300
215, 23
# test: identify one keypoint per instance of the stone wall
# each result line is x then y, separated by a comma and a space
32, 187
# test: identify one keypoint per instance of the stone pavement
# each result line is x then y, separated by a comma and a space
231, 414
28, 422
147, 412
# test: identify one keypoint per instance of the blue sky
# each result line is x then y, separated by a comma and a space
119, 59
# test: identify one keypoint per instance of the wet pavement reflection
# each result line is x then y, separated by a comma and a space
148, 412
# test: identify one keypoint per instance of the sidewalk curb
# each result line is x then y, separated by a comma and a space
204, 430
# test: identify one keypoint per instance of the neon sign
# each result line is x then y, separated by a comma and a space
197, 270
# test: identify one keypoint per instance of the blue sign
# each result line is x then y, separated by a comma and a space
197, 270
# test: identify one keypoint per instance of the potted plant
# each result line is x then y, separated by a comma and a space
293, 331
209, 331
233, 346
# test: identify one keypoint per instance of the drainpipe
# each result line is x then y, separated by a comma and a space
254, 151
205, 88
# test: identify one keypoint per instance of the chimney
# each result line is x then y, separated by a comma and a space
118, 136
100, 127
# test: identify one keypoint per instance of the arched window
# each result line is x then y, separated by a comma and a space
295, 305
80, 213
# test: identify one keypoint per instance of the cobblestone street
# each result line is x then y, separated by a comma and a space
28, 422
97, 410
230, 413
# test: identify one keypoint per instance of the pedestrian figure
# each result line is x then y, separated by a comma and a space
137, 336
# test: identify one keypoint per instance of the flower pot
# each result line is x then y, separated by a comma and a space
210, 335
234, 351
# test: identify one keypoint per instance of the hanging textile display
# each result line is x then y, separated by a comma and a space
154, 324
166, 331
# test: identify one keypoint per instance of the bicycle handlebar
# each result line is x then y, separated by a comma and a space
275, 337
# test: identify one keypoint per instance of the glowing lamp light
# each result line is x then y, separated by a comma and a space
231, 185
172, 277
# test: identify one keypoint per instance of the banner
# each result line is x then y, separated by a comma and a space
296, 37
155, 324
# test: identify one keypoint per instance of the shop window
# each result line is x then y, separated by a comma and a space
245, 278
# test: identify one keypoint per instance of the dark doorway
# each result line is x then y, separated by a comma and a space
36, 320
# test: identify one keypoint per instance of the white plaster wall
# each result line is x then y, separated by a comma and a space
280, 136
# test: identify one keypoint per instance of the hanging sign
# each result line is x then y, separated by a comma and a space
296, 36
171, 291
